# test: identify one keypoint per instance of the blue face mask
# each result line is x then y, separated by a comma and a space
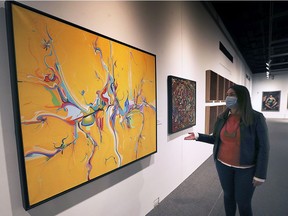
231, 102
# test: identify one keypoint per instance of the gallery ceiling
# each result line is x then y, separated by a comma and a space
260, 31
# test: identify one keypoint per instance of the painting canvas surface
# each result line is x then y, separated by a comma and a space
271, 101
86, 103
181, 104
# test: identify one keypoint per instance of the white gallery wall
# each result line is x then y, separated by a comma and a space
277, 83
185, 39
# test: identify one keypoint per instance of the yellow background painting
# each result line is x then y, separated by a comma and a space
87, 103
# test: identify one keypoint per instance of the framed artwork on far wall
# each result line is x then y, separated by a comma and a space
84, 104
271, 101
181, 104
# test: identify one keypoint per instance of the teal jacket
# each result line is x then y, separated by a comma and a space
254, 142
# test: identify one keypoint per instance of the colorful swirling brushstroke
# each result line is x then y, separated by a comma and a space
183, 104
105, 106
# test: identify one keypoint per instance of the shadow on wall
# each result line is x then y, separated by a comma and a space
67, 200
91, 189
7, 126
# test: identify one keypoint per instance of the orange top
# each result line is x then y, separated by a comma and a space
229, 151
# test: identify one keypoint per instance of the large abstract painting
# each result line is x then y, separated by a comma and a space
181, 104
271, 101
85, 104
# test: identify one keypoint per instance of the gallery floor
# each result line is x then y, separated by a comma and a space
201, 195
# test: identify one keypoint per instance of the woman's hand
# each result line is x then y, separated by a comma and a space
190, 137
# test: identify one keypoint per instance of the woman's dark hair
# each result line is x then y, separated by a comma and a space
244, 103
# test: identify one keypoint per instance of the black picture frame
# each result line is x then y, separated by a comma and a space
181, 103
271, 101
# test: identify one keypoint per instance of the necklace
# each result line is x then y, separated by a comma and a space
231, 134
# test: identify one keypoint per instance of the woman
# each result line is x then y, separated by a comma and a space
241, 150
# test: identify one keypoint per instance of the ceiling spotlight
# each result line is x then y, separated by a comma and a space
267, 74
